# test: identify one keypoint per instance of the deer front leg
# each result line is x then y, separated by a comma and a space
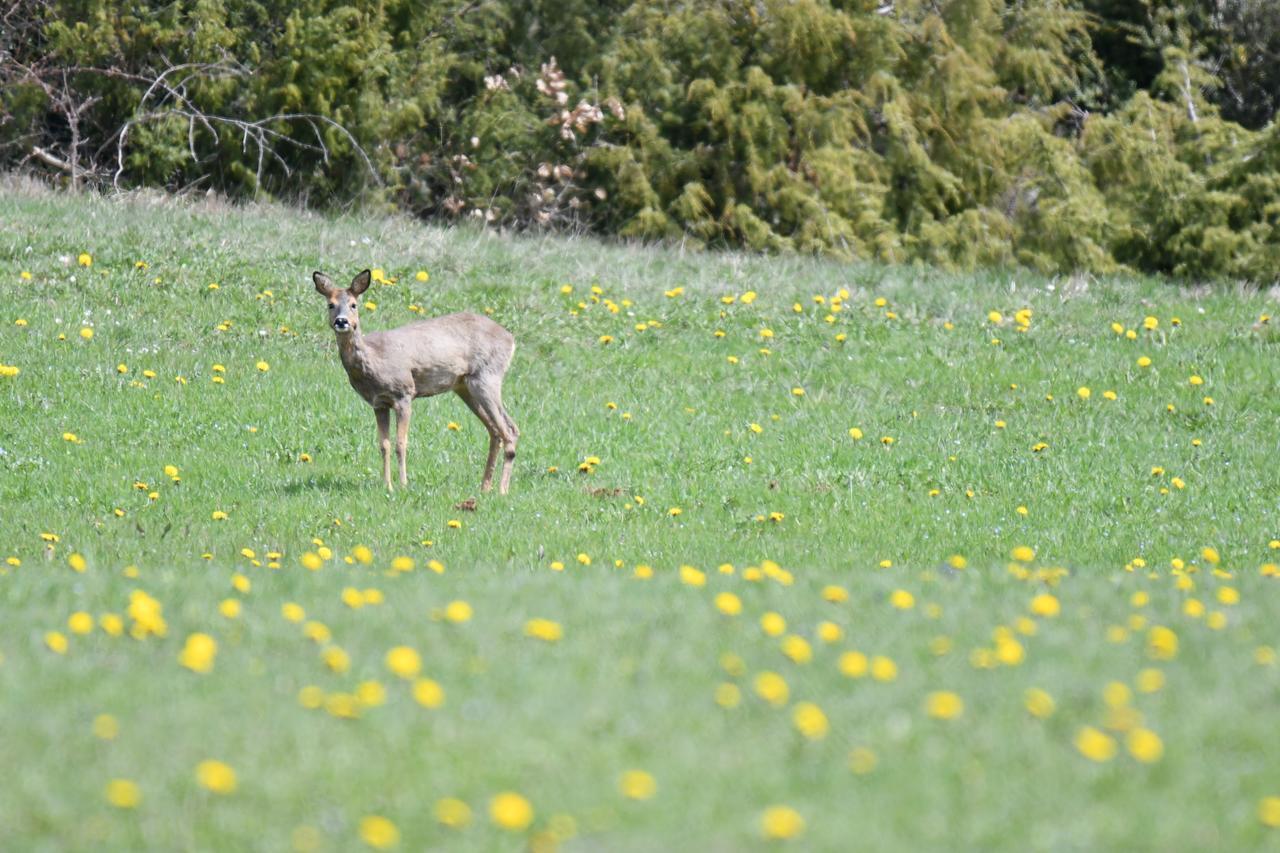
404, 410
383, 415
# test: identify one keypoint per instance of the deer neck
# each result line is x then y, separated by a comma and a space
354, 353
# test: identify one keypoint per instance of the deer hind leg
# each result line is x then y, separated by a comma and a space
383, 415
488, 397
404, 411
512, 437
495, 437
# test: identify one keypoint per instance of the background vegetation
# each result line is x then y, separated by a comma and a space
1057, 134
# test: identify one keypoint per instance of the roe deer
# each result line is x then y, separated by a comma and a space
464, 353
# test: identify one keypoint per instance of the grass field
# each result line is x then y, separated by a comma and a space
1011, 615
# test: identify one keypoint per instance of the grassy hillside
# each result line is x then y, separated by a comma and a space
856, 449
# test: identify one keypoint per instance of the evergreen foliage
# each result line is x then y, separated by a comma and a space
1056, 134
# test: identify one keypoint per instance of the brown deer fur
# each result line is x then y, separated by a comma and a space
464, 353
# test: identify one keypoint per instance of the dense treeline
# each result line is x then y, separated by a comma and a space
1059, 134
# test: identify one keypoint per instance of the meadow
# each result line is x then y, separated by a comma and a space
797, 553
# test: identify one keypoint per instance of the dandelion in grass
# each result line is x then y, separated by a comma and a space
546, 630
452, 813
772, 688
728, 603
1046, 604
378, 832
780, 823
1095, 745
637, 785
773, 624
216, 776
123, 793
883, 668
404, 662
198, 653
1038, 703
511, 811
1144, 745
810, 720
944, 705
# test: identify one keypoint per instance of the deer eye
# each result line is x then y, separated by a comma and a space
333, 305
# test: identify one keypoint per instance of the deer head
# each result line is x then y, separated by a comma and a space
344, 305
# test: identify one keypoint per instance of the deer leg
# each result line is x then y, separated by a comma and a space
511, 438
495, 437
404, 410
489, 399
384, 442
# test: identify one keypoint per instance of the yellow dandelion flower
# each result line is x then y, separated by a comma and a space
772, 688
1144, 745
1038, 703
105, 727
379, 832
428, 693
1046, 604
810, 721
403, 661
902, 600
1095, 745
797, 649
543, 629
883, 668
829, 632
336, 658
453, 813
779, 823
1162, 643
198, 653
853, 664
1269, 811
123, 793
728, 603
835, 594
944, 705
56, 642
692, 577
216, 776
511, 811
637, 785
728, 695
773, 624
457, 612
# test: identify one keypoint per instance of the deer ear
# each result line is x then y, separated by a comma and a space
360, 283
324, 284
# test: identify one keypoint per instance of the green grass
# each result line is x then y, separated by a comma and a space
632, 683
